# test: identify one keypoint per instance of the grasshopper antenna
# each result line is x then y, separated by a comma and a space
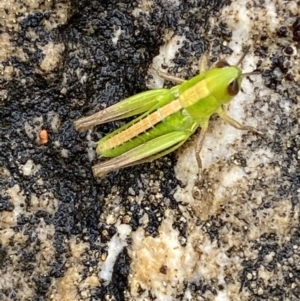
251, 73
243, 56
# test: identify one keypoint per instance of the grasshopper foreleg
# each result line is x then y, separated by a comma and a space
236, 124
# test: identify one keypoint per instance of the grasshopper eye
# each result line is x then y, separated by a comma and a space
222, 64
233, 88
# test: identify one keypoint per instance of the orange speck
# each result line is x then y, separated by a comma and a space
43, 136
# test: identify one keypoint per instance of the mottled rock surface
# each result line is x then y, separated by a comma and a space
149, 232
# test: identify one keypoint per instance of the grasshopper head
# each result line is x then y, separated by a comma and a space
224, 81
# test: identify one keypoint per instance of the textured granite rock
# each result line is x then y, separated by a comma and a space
149, 232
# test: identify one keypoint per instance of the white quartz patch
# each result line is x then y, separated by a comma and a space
115, 246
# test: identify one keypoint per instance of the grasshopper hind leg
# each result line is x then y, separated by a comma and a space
147, 152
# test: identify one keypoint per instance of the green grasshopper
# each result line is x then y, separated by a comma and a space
168, 118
